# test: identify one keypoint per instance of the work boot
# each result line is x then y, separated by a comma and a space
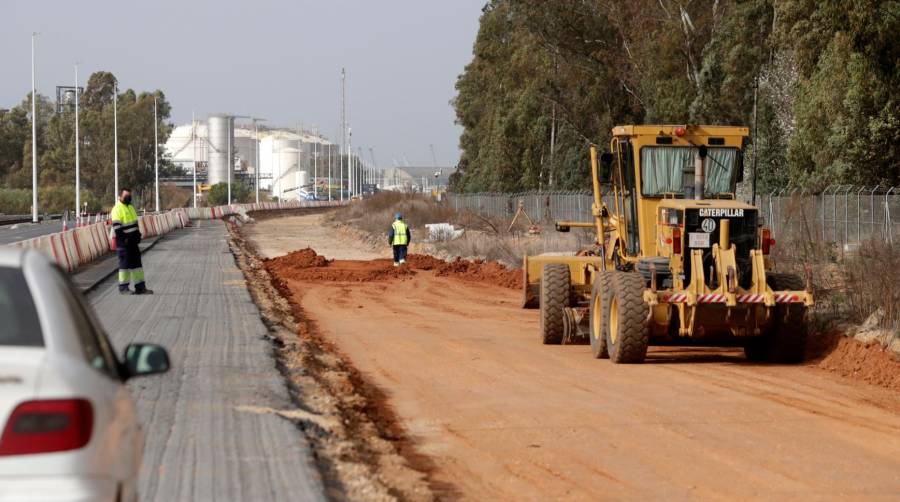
142, 290
125, 291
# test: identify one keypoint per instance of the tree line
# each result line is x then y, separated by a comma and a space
56, 147
547, 79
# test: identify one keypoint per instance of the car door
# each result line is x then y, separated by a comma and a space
123, 435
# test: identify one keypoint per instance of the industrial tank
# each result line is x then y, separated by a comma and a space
221, 134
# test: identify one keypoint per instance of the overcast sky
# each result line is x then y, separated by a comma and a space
280, 60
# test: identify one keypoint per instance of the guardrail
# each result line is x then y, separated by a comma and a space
75, 247
839, 214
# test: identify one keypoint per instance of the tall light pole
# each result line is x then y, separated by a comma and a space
330, 153
34, 184
343, 148
194, 157
115, 142
316, 164
256, 121
77, 157
352, 187
230, 132
156, 152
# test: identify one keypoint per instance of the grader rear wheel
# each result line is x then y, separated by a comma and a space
600, 296
555, 294
627, 333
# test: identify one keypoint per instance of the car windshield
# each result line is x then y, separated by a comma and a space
19, 325
662, 169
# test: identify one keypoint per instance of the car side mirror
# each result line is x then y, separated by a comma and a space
605, 173
142, 359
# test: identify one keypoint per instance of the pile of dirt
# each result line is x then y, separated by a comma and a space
307, 265
849, 358
490, 272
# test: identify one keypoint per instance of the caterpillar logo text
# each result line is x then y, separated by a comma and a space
710, 212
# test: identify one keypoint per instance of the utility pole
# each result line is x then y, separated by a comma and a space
300, 158
343, 146
256, 122
374, 164
194, 158
34, 183
77, 157
230, 132
350, 162
156, 153
116, 141
755, 142
316, 163
330, 157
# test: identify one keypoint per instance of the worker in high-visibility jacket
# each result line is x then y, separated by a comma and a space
398, 238
128, 235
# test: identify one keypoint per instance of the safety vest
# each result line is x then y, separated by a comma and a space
124, 218
400, 233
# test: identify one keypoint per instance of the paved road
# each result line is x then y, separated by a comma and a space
28, 231
208, 434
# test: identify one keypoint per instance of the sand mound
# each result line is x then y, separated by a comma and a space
850, 358
307, 265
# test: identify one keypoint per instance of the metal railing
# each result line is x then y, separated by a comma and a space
839, 214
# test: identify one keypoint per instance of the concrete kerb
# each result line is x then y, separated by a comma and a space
88, 278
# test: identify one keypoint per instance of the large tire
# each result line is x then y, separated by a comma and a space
599, 318
627, 332
785, 340
555, 293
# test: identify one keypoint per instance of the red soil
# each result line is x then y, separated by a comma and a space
307, 265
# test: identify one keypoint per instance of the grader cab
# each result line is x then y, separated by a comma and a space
678, 259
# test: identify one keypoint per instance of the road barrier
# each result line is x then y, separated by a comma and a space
75, 247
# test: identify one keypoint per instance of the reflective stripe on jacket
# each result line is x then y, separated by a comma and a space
399, 233
124, 219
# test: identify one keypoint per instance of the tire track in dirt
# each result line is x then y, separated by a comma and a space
500, 416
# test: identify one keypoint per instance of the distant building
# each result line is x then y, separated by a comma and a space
287, 159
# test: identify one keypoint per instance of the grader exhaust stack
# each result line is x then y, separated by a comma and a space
700, 173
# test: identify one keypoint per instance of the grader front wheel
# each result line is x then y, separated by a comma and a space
555, 294
627, 332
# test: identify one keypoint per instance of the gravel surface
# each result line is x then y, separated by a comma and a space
219, 425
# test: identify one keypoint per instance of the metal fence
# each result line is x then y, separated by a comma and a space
841, 214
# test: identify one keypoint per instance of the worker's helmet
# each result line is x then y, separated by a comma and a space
398, 216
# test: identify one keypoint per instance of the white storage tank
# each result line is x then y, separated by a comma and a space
221, 135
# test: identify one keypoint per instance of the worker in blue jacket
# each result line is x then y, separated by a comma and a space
398, 239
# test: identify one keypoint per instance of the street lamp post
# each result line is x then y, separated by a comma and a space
316, 165
77, 157
34, 185
194, 156
115, 142
156, 152
230, 132
256, 122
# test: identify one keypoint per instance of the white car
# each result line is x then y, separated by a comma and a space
68, 429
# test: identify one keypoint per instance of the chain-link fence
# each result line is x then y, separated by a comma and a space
842, 214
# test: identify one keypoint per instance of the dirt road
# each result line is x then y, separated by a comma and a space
504, 417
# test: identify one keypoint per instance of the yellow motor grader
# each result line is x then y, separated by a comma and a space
678, 259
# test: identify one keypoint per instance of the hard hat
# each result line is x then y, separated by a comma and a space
398, 216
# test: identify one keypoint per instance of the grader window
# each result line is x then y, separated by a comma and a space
663, 167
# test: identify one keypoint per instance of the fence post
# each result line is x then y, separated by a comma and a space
887, 217
824, 193
872, 211
858, 211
